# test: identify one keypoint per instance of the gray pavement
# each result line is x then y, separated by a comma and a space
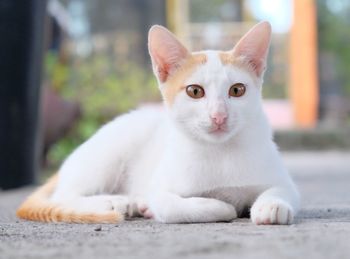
321, 230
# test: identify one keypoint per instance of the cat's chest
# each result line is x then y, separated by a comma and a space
196, 173
225, 178
190, 172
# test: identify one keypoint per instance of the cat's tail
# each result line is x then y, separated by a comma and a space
38, 207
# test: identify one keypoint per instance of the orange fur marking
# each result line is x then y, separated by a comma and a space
175, 83
38, 207
227, 58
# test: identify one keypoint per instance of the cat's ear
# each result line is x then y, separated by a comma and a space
166, 52
253, 47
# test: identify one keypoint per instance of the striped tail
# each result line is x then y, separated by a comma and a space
38, 207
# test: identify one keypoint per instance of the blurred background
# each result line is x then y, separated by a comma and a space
69, 66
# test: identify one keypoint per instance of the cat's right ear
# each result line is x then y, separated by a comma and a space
254, 47
166, 52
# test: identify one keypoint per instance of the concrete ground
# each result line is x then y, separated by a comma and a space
321, 230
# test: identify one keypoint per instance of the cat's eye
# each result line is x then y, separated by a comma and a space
195, 91
237, 90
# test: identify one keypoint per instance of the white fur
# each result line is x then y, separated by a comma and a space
174, 164
169, 162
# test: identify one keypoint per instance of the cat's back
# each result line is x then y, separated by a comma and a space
146, 132
123, 145
140, 124
124, 135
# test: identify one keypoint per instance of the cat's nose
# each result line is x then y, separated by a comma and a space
218, 118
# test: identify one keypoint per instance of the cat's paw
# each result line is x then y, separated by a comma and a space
120, 204
145, 211
271, 212
142, 209
138, 208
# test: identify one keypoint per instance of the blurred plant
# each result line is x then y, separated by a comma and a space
334, 36
103, 87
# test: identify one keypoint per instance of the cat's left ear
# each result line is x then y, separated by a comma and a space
253, 47
166, 52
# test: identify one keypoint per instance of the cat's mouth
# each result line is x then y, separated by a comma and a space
218, 130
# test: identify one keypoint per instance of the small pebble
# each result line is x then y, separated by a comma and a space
98, 228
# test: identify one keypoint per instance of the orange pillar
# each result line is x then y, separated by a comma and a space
304, 73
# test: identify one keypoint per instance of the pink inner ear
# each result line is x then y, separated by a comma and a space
166, 52
254, 46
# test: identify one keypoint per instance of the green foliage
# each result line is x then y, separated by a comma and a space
334, 37
274, 90
103, 88
81, 131
214, 10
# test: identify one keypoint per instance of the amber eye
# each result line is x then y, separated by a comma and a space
237, 90
195, 91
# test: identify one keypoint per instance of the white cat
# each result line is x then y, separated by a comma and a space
207, 157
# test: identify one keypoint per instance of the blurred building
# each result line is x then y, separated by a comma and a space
300, 89
117, 27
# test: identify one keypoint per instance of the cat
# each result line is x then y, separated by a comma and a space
207, 157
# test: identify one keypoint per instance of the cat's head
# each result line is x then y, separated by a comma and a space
211, 95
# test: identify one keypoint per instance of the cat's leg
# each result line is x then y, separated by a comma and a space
99, 204
168, 207
123, 205
276, 205
87, 186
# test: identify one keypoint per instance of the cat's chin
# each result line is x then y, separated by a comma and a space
218, 136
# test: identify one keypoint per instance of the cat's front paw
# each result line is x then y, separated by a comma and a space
144, 211
271, 212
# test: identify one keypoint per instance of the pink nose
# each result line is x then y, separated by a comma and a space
218, 118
